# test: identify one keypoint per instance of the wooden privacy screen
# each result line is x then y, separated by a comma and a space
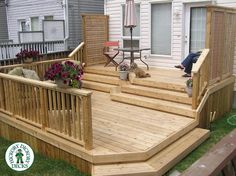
220, 39
95, 34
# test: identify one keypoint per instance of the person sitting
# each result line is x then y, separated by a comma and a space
188, 63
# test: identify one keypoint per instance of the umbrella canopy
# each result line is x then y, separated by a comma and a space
130, 14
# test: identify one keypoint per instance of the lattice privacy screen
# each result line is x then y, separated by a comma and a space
54, 30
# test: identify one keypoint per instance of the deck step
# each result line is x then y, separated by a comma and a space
152, 103
101, 78
157, 93
159, 163
162, 84
102, 71
97, 86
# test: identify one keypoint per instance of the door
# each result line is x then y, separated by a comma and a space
195, 27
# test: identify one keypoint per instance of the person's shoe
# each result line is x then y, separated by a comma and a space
179, 66
186, 75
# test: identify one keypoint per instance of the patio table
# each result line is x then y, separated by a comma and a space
132, 57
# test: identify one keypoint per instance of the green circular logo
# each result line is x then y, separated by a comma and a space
19, 156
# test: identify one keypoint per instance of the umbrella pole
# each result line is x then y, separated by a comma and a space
131, 44
131, 34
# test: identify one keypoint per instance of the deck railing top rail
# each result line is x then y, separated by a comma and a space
45, 84
39, 67
76, 49
78, 53
9, 51
200, 72
197, 66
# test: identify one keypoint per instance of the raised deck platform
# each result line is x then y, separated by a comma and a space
132, 133
140, 127
148, 121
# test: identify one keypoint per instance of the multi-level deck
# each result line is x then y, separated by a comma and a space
143, 126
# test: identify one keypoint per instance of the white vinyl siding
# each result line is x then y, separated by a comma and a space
18, 9
197, 28
161, 29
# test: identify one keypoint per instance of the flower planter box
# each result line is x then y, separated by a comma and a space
189, 91
123, 75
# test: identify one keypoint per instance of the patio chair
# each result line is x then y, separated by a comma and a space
110, 53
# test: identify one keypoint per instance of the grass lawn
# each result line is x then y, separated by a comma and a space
219, 129
43, 166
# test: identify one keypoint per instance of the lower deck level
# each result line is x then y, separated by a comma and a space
132, 133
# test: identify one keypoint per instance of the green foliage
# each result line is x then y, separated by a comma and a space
42, 166
219, 129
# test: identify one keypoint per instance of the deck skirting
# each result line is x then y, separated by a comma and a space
42, 143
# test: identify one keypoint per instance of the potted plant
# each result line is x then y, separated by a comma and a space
189, 86
27, 56
68, 74
123, 71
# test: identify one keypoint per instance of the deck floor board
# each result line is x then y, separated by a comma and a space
121, 128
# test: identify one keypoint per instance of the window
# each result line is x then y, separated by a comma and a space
34, 23
136, 30
197, 28
161, 29
48, 17
22, 25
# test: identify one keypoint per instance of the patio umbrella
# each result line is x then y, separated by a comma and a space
130, 17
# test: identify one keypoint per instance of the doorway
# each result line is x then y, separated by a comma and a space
195, 27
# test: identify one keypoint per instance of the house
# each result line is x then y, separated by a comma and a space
28, 16
3, 22
171, 28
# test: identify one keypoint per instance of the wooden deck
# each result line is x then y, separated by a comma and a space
128, 130
139, 127
141, 121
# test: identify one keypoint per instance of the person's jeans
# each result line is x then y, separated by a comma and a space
188, 62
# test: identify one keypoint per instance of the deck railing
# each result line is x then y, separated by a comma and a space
41, 57
40, 67
9, 51
200, 73
78, 53
65, 113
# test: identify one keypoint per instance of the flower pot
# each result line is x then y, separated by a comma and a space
60, 83
28, 60
124, 75
189, 91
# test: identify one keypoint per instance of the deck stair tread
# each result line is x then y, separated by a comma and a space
152, 103
161, 83
102, 71
159, 163
171, 95
97, 86
101, 78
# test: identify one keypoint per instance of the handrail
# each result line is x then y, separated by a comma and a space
66, 113
40, 67
45, 84
9, 51
200, 61
200, 73
77, 53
